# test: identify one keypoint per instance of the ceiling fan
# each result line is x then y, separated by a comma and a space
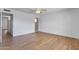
39, 10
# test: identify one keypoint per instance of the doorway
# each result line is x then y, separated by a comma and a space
36, 24
6, 27
7, 24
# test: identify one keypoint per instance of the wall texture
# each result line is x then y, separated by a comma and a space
22, 23
64, 23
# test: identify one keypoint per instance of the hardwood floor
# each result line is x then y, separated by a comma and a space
39, 41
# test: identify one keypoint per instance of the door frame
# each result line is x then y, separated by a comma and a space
11, 21
36, 24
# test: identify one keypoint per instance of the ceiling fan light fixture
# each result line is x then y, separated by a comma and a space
40, 10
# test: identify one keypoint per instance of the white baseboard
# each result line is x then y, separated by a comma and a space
66, 35
18, 34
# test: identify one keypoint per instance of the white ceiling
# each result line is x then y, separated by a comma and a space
32, 10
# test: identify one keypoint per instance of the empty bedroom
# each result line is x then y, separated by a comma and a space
39, 28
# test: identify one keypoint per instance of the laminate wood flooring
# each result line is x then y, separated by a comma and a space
39, 41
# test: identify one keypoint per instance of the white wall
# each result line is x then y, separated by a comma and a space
0, 30
22, 23
64, 23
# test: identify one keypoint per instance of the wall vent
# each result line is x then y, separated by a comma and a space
7, 10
